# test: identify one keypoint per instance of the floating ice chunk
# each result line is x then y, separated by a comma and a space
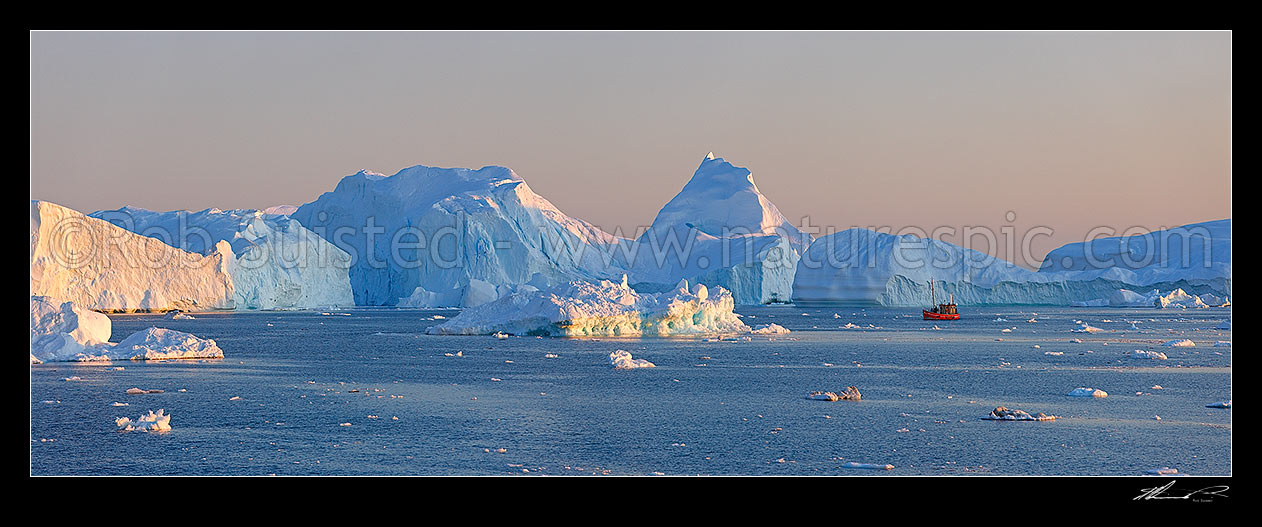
178, 315
1180, 343
1086, 328
769, 329
1221, 404
500, 335
1222, 344
622, 360
1163, 471
1004, 414
1054, 353
874, 466
851, 394
579, 308
1144, 354
159, 422
1087, 392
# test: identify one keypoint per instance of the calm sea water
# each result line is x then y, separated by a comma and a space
319, 394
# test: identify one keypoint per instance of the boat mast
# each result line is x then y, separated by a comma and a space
933, 298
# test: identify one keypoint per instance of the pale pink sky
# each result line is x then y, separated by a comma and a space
1068, 130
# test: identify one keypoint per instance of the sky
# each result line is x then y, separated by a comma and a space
1027, 131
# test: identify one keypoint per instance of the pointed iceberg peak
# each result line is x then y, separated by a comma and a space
710, 155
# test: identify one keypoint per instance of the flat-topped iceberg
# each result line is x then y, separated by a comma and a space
61, 331
100, 266
604, 308
276, 263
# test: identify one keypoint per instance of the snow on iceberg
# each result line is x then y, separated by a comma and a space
159, 422
276, 263
1087, 392
100, 266
622, 360
721, 231
605, 308
1004, 414
1198, 253
440, 228
61, 331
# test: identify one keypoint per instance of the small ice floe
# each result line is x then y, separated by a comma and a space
345, 424
1036, 346
851, 394
1156, 387
138, 391
873, 466
1003, 414
550, 355
851, 325
1180, 343
1086, 328
1156, 418
1054, 353
1222, 344
178, 315
1076, 341
235, 398
1000, 319
1005, 330
1087, 392
769, 329
120, 404
72, 378
835, 315
1145, 354
622, 360
500, 335
1221, 404
1163, 471
159, 422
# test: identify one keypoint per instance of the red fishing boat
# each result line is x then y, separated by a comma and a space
940, 311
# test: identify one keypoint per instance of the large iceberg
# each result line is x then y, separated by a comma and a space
865, 266
580, 308
62, 331
1198, 253
100, 266
720, 230
276, 264
428, 234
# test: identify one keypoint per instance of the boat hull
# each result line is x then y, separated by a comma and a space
929, 315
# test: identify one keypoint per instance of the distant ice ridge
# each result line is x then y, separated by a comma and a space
276, 263
719, 230
1177, 298
426, 234
102, 267
62, 331
602, 308
865, 266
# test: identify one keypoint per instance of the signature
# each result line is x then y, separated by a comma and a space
1207, 493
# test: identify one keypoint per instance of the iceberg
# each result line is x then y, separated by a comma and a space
605, 308
431, 230
276, 263
159, 422
61, 331
851, 394
622, 360
721, 231
864, 266
1145, 354
102, 267
1004, 414
1087, 392
1220, 404
1180, 343
769, 329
